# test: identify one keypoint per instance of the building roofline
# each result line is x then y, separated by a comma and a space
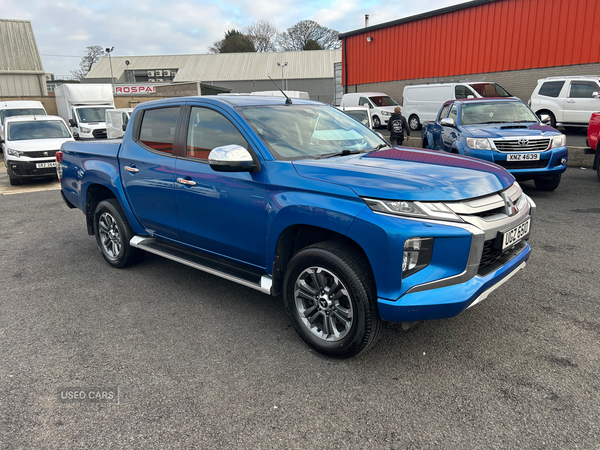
425, 15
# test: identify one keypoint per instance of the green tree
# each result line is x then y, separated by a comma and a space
233, 42
92, 54
311, 44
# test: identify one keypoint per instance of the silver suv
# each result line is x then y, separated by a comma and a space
567, 101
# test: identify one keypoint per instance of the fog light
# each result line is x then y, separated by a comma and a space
563, 161
417, 255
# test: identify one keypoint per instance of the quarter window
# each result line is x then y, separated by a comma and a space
583, 89
362, 101
444, 112
551, 88
158, 129
209, 129
462, 92
453, 112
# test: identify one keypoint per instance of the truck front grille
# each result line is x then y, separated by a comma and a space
100, 133
522, 145
511, 165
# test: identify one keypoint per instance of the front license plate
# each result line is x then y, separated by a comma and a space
45, 165
514, 235
523, 157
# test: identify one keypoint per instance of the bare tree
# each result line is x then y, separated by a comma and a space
263, 35
297, 37
92, 54
234, 42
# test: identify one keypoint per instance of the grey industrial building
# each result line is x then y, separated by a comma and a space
21, 71
309, 71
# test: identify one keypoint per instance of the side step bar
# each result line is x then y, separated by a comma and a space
263, 283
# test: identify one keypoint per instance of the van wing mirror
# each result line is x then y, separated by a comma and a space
72, 123
596, 94
232, 158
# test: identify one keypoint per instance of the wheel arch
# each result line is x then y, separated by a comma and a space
95, 193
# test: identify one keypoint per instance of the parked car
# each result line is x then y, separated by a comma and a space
503, 131
381, 105
30, 144
301, 200
592, 140
568, 101
360, 113
19, 108
422, 102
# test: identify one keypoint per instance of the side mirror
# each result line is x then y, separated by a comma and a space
124, 126
596, 94
447, 122
232, 158
72, 123
545, 119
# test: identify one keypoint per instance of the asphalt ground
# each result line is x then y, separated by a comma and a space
200, 362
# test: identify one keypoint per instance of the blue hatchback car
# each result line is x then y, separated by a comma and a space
504, 131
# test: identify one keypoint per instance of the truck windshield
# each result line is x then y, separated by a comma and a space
383, 100
37, 129
496, 112
21, 112
95, 114
307, 131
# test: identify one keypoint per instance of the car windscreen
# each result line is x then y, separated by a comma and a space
490, 90
307, 131
383, 100
87, 115
496, 112
21, 112
37, 129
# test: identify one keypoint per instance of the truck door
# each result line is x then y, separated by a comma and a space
219, 212
449, 134
146, 164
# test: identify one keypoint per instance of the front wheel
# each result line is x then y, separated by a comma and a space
426, 144
113, 234
547, 184
376, 122
331, 299
597, 161
414, 123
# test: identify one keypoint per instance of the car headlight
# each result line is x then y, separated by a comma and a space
386, 113
86, 130
12, 152
559, 141
417, 255
478, 144
436, 211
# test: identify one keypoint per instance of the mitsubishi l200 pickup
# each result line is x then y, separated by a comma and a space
293, 197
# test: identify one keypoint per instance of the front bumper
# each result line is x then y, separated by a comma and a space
28, 169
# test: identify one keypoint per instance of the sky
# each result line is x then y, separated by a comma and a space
64, 28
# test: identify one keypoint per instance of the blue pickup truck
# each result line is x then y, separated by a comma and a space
296, 198
504, 131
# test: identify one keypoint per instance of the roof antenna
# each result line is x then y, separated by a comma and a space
288, 101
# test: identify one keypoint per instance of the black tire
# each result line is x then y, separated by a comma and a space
414, 123
344, 323
549, 114
426, 144
547, 184
113, 234
597, 161
376, 122
13, 181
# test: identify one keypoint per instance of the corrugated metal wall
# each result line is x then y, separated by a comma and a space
499, 36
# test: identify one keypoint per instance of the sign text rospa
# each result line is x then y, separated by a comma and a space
128, 89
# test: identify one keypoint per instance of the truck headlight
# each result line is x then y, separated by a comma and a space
85, 130
417, 255
386, 113
12, 152
478, 144
559, 141
436, 211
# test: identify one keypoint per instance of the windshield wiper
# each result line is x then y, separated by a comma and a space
344, 152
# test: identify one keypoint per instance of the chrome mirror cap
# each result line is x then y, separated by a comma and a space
231, 158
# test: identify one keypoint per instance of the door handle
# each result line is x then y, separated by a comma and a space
131, 169
570, 101
186, 182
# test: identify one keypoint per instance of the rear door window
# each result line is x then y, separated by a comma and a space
582, 89
157, 131
551, 88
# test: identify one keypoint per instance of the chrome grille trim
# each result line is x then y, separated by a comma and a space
519, 145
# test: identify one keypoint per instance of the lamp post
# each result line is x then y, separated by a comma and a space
112, 80
282, 66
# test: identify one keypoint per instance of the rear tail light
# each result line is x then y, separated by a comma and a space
58, 158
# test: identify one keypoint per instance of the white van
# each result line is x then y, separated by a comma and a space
381, 105
116, 122
422, 102
291, 94
19, 108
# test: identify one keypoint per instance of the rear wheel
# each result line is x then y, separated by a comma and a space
547, 184
376, 122
113, 234
414, 123
331, 299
